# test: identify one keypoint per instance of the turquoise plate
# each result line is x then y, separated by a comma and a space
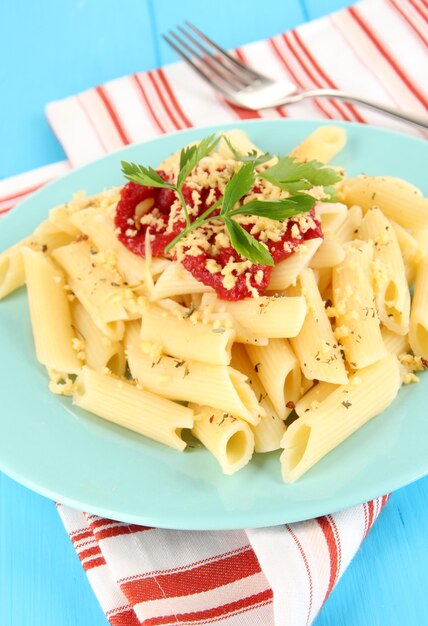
81, 460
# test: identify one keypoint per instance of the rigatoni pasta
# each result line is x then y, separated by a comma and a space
45, 238
341, 413
229, 439
98, 226
285, 273
278, 369
418, 333
50, 314
138, 410
12, 274
390, 195
100, 351
267, 316
182, 338
329, 254
268, 432
357, 319
322, 145
389, 275
218, 386
316, 346
99, 287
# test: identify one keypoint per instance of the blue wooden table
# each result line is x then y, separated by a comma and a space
50, 49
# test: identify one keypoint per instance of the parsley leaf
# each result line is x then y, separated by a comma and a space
332, 194
190, 157
143, 175
293, 175
246, 245
251, 157
240, 184
277, 209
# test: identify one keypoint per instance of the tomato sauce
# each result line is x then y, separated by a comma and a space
132, 233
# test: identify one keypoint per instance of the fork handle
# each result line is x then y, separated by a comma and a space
420, 121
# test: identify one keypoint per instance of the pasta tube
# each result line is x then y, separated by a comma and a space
100, 351
184, 339
342, 412
391, 195
311, 399
394, 344
322, 145
418, 333
175, 280
389, 277
99, 227
217, 386
98, 287
45, 238
410, 251
60, 217
332, 216
141, 411
229, 439
267, 316
323, 280
50, 314
357, 322
12, 273
349, 228
278, 370
268, 432
421, 236
286, 272
329, 254
316, 346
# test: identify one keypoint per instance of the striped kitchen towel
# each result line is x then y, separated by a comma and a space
280, 575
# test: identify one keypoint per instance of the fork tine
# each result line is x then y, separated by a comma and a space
244, 78
196, 67
223, 52
212, 67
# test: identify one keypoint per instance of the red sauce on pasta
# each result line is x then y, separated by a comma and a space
165, 221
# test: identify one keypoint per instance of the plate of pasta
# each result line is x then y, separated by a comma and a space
220, 328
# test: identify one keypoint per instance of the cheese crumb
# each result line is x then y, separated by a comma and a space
60, 384
212, 266
408, 378
259, 277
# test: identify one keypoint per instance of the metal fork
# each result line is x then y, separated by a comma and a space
247, 88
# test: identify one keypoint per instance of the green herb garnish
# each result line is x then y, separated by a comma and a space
294, 176
246, 244
287, 173
251, 157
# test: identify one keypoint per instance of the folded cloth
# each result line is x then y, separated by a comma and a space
280, 575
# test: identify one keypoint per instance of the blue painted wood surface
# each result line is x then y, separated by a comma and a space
51, 49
